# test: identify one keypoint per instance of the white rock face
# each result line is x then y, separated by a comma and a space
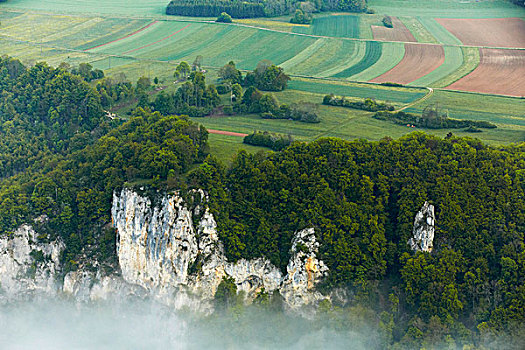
423, 232
20, 273
303, 271
162, 253
159, 245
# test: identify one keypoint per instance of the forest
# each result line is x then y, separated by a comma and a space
259, 8
62, 157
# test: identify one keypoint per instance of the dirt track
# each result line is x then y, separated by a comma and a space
399, 33
419, 60
499, 72
228, 133
497, 32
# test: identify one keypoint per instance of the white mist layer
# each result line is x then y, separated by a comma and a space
144, 325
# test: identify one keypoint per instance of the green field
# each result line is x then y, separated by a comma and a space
135, 38
383, 93
373, 53
342, 26
392, 54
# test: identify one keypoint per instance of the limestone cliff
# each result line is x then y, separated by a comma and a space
423, 231
159, 245
168, 250
28, 265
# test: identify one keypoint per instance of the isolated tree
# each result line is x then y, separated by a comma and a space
197, 64
224, 18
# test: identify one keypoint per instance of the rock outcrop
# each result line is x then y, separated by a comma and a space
423, 231
28, 265
163, 250
168, 250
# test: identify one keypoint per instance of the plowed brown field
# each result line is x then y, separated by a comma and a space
419, 60
398, 33
497, 32
499, 72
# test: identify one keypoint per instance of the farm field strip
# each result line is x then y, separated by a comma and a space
500, 72
37, 27
357, 54
108, 31
438, 31
453, 61
470, 62
419, 60
124, 37
392, 54
342, 26
398, 33
145, 37
448, 8
494, 32
372, 55
305, 54
156, 42
398, 95
420, 33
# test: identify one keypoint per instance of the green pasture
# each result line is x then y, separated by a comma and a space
225, 147
448, 8
392, 54
341, 26
453, 61
372, 55
113, 7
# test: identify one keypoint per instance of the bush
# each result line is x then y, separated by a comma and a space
223, 89
387, 21
228, 110
368, 104
276, 142
301, 17
224, 18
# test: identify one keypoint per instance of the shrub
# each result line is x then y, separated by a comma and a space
224, 18
387, 22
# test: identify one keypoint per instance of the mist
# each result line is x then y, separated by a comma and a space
62, 324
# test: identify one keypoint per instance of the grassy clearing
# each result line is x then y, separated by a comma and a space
470, 62
392, 54
339, 26
226, 147
340, 88
419, 32
439, 32
453, 61
373, 53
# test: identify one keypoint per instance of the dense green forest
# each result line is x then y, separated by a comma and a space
63, 157
362, 197
259, 8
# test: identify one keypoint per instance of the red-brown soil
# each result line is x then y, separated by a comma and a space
499, 72
496, 32
398, 33
229, 133
419, 60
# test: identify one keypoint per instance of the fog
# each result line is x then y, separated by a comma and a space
56, 324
